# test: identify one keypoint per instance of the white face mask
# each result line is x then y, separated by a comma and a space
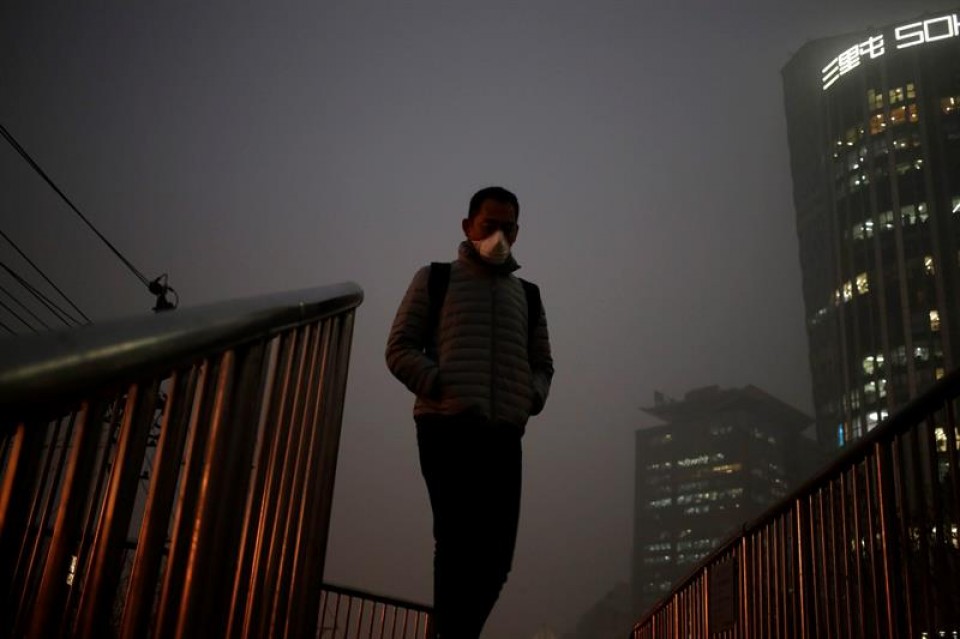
494, 248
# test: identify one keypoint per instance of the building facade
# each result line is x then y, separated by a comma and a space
721, 459
873, 121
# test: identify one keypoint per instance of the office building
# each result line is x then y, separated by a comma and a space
721, 458
873, 121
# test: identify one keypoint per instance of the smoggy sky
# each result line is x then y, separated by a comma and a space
252, 150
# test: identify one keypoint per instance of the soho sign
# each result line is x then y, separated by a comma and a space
906, 36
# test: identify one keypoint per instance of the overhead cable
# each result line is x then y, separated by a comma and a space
44, 276
36, 167
25, 307
51, 306
7, 328
20, 319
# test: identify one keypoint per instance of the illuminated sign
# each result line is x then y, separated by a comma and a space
905, 36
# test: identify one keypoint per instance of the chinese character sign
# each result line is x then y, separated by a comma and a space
905, 36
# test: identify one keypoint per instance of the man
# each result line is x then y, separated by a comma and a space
478, 360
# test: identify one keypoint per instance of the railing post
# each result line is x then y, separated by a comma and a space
50, 610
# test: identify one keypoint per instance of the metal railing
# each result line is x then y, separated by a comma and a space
171, 476
352, 614
869, 548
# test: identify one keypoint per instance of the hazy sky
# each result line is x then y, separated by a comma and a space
247, 150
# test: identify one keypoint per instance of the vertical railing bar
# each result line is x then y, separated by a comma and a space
243, 590
282, 524
226, 481
18, 482
872, 496
939, 558
38, 498
844, 486
186, 501
744, 574
101, 584
305, 577
329, 429
835, 569
786, 574
297, 480
801, 582
886, 510
923, 525
858, 547
53, 591
954, 498
824, 593
24, 577
148, 559
284, 409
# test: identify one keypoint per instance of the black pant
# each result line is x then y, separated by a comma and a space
473, 471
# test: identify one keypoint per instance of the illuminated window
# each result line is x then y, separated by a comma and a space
840, 440
872, 363
661, 503
921, 353
898, 115
896, 95
928, 265
950, 105
911, 91
863, 284
956, 205
875, 417
939, 373
847, 291
886, 220
728, 469
863, 231
693, 461
874, 99
934, 321
913, 114
877, 124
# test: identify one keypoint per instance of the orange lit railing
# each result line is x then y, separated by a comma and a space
172, 475
869, 548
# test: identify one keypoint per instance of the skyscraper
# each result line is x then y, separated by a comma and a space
873, 121
721, 458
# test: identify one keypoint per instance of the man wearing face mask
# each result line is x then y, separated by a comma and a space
470, 341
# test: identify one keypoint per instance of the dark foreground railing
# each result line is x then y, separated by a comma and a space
171, 476
869, 548
352, 614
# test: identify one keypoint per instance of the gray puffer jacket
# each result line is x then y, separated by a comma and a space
483, 366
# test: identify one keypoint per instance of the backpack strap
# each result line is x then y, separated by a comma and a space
534, 305
437, 285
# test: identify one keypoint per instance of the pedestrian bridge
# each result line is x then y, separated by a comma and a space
172, 476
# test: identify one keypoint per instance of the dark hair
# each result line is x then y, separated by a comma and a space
495, 193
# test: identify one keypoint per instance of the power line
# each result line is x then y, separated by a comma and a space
7, 328
36, 167
51, 306
24, 307
14, 313
44, 276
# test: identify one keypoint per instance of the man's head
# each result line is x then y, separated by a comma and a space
491, 222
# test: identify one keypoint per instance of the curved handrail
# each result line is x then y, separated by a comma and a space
35, 370
906, 419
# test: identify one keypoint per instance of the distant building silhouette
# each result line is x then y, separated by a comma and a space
873, 120
609, 618
722, 457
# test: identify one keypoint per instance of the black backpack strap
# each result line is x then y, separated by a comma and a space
437, 285
534, 305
